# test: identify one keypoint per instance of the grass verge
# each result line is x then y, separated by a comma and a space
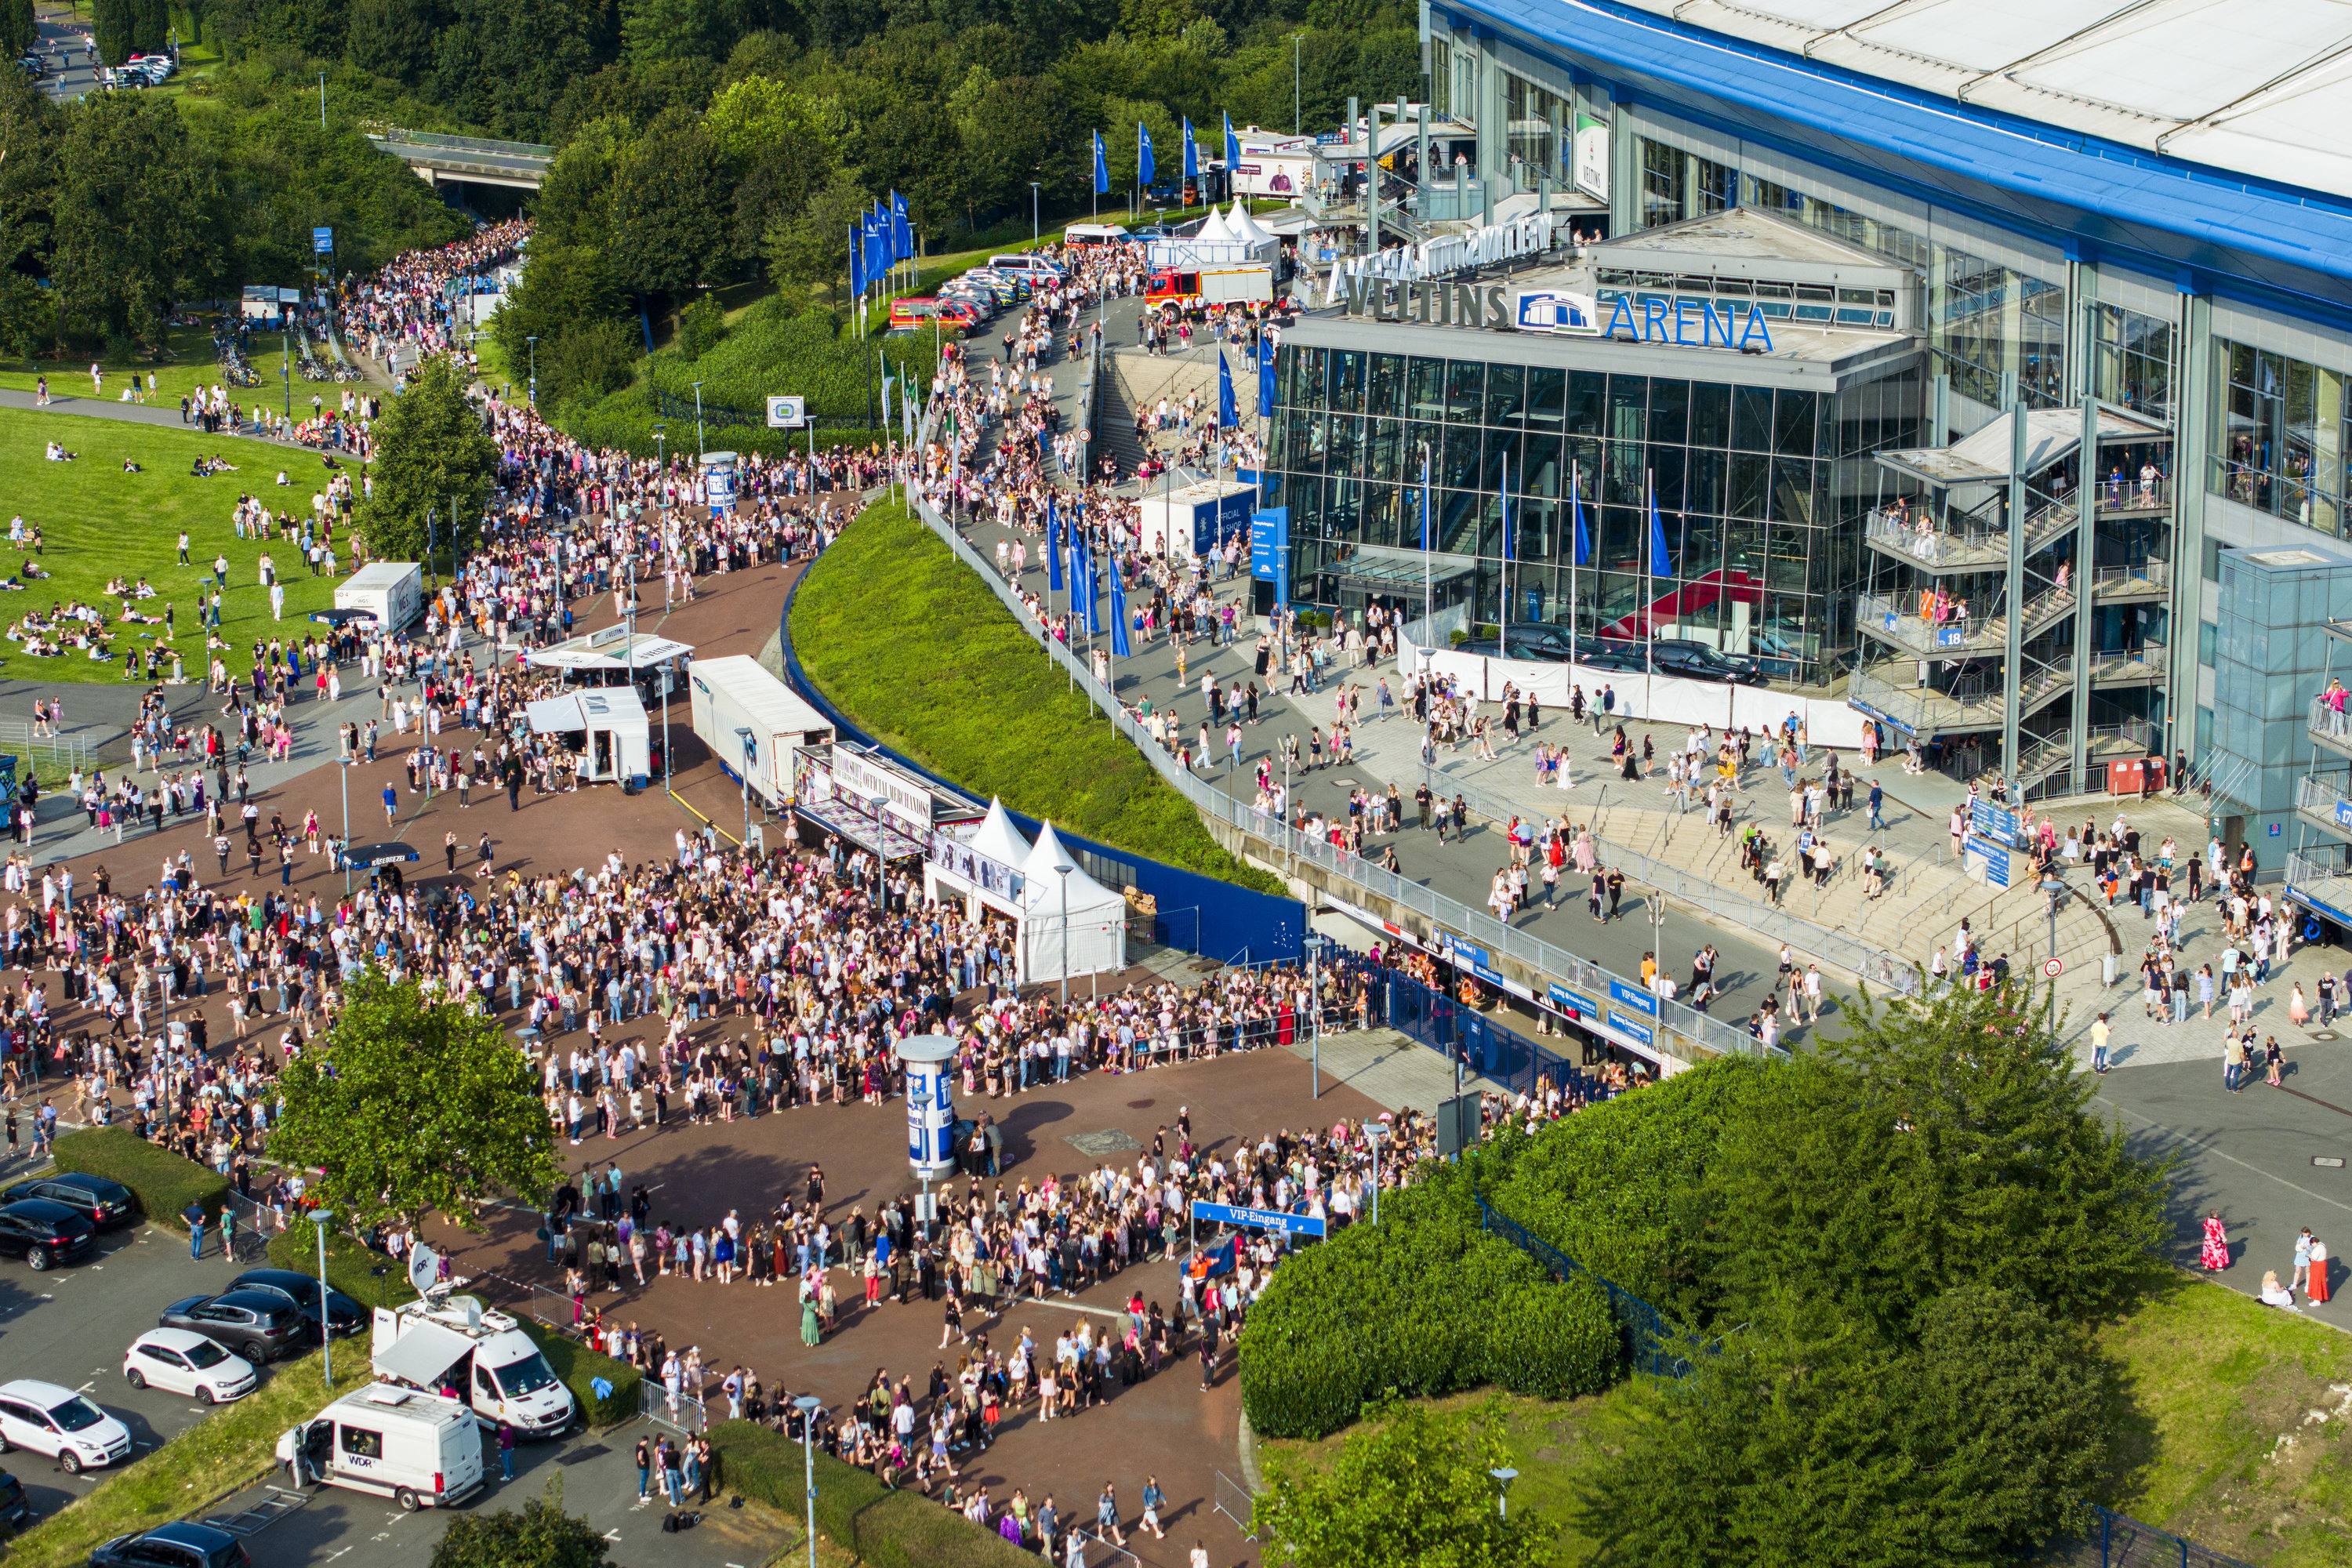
225, 1450
99, 522
909, 643
165, 1183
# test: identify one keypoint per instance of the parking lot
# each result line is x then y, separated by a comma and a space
599, 1483
71, 1326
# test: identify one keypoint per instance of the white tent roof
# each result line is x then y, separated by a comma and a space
997, 837
1044, 893
1246, 227
1216, 231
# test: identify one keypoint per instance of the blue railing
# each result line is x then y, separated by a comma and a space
1464, 1035
2119, 1540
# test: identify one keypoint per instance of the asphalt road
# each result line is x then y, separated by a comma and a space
58, 34
599, 1482
71, 1326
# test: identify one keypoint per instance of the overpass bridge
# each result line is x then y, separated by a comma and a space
466, 159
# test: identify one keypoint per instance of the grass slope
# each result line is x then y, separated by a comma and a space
99, 522
918, 651
186, 364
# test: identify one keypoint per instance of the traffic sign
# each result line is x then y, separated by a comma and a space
322, 241
787, 413
2053, 967
1257, 1219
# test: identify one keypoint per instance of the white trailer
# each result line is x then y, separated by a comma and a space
736, 694
390, 591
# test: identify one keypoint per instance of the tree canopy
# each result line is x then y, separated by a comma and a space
1411, 1491
433, 469
540, 1535
414, 1106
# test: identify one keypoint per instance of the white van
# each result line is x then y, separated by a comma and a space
1084, 234
418, 1449
454, 1342
1039, 270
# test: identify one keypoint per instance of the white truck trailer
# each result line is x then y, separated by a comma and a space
736, 694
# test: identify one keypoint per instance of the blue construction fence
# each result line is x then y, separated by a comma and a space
2119, 1540
1197, 913
1461, 1034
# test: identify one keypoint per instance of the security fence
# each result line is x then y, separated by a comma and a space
1338, 865
2119, 1540
1652, 1345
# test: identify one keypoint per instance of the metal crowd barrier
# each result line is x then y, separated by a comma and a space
1483, 929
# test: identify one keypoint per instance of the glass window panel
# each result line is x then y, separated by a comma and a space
1743, 550
1347, 445
1750, 476
1347, 379
1786, 568
1505, 383
1386, 391
1751, 418
1704, 483
1793, 424
1710, 414
1547, 396
1460, 469
1618, 547
1465, 388
1546, 468
1792, 490
1701, 552
1428, 389
1588, 394
1502, 453
1629, 399
1622, 484
1381, 462
1665, 478
1669, 411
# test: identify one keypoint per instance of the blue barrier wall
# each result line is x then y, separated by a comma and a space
1198, 914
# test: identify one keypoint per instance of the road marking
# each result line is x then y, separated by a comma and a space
2204, 1148
614, 1536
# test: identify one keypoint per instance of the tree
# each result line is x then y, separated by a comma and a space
18, 29
815, 246
110, 23
1411, 1491
433, 469
671, 208
1938, 1142
1805, 1441
138, 212
415, 1105
541, 1536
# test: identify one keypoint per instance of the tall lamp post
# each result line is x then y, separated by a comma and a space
698, 420
326, 1322
808, 1405
533, 341
1296, 41
1032, 212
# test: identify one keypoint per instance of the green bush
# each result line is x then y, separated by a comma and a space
1424, 1303
885, 1527
918, 650
626, 420
163, 1183
580, 1367
906, 1530
777, 346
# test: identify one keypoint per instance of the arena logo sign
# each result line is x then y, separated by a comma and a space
1685, 323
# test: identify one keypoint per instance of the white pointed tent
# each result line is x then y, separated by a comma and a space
1246, 228
1214, 232
1070, 923
979, 865
997, 838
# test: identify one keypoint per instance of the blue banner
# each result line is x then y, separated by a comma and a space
1118, 617
1275, 1220
1192, 154
1232, 152
1102, 170
902, 233
1626, 995
1144, 167
1228, 412
1265, 380
1052, 549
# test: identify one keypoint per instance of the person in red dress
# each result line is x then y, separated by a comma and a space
2215, 1255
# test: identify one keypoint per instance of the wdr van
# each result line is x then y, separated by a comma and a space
418, 1449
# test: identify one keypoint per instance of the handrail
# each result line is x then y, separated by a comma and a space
1472, 925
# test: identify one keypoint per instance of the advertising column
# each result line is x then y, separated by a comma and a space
719, 481
930, 1061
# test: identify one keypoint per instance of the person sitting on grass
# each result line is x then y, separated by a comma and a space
57, 453
130, 468
30, 569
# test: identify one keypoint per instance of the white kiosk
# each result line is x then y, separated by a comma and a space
719, 480
603, 726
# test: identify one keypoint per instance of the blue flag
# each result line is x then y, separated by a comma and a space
1191, 155
1660, 566
1584, 556
885, 236
1228, 415
857, 263
1093, 608
902, 232
1232, 152
1425, 507
1266, 381
1052, 549
1143, 166
1102, 170
1118, 646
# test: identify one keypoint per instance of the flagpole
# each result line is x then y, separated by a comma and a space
1428, 602
1575, 502
1650, 565
1503, 625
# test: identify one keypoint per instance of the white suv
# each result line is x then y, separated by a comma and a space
42, 1418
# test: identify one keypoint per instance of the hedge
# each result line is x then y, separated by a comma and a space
922, 655
163, 1183
1424, 1303
885, 1527
777, 346
1612, 1185
626, 420
580, 1367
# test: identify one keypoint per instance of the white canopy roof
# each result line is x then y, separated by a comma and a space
1045, 893
591, 707
997, 838
614, 647
1246, 227
1214, 230
2050, 434
422, 1355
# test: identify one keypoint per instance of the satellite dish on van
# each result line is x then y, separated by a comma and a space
424, 1268
472, 1307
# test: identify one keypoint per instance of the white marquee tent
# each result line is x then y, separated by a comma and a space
1073, 915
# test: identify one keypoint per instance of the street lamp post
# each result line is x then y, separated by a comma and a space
1296, 40
661, 434
1503, 1476
344, 776
1032, 212
808, 1405
285, 361
326, 1345
533, 341
698, 420
1066, 871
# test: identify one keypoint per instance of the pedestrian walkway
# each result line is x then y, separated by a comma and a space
162, 414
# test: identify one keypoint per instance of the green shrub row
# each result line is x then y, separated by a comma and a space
626, 420
1424, 1303
776, 347
885, 1527
163, 1183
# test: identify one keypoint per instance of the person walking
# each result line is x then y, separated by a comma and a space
506, 1451
195, 1214
1106, 1517
2099, 1032
2214, 1256
1154, 1499
644, 1470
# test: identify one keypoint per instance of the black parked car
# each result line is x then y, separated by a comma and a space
1696, 661
184, 1545
346, 1316
16, 1513
258, 1324
1631, 657
45, 1234
103, 1203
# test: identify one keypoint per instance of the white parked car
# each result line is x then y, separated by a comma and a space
42, 1418
181, 1361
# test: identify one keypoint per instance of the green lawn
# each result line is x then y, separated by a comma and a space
187, 362
99, 522
924, 657
2207, 1385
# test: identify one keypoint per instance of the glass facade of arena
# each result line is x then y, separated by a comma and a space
1759, 491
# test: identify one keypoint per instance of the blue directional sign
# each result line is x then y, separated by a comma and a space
1275, 1220
1625, 995
322, 241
